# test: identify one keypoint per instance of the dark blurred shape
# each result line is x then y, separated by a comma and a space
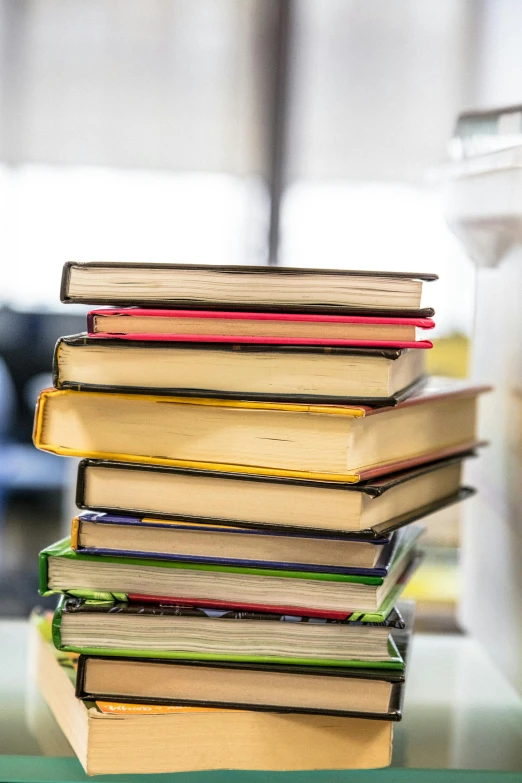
26, 346
31, 482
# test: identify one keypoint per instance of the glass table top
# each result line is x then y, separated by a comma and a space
459, 714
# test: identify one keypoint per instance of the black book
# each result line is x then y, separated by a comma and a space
367, 511
281, 373
264, 288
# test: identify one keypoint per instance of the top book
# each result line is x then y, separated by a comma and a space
287, 289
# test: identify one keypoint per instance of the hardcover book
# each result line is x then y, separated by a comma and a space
363, 513
261, 328
113, 737
280, 373
281, 289
108, 534
360, 692
62, 570
145, 630
332, 443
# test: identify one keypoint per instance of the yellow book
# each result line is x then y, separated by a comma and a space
316, 442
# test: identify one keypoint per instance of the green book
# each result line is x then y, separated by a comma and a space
145, 630
115, 578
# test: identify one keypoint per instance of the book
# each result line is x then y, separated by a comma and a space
108, 534
370, 509
261, 328
283, 289
369, 693
145, 630
332, 443
231, 371
102, 533
62, 570
112, 737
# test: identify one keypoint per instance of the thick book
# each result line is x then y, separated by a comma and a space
62, 570
193, 542
145, 630
131, 738
363, 513
362, 692
281, 289
257, 328
328, 442
281, 373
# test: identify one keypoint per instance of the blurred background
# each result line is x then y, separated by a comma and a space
290, 132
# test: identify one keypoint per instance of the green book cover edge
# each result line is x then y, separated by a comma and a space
63, 549
348, 664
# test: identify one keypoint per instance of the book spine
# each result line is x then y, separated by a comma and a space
43, 581
64, 284
80, 484
56, 625
55, 366
75, 534
79, 691
38, 421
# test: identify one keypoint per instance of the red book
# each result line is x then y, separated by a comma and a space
206, 326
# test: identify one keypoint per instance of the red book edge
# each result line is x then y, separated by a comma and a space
421, 323
214, 338
247, 607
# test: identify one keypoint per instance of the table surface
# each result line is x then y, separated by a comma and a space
459, 714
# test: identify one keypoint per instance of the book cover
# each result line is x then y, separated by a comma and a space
401, 541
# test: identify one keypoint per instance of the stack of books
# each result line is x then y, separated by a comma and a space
254, 455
